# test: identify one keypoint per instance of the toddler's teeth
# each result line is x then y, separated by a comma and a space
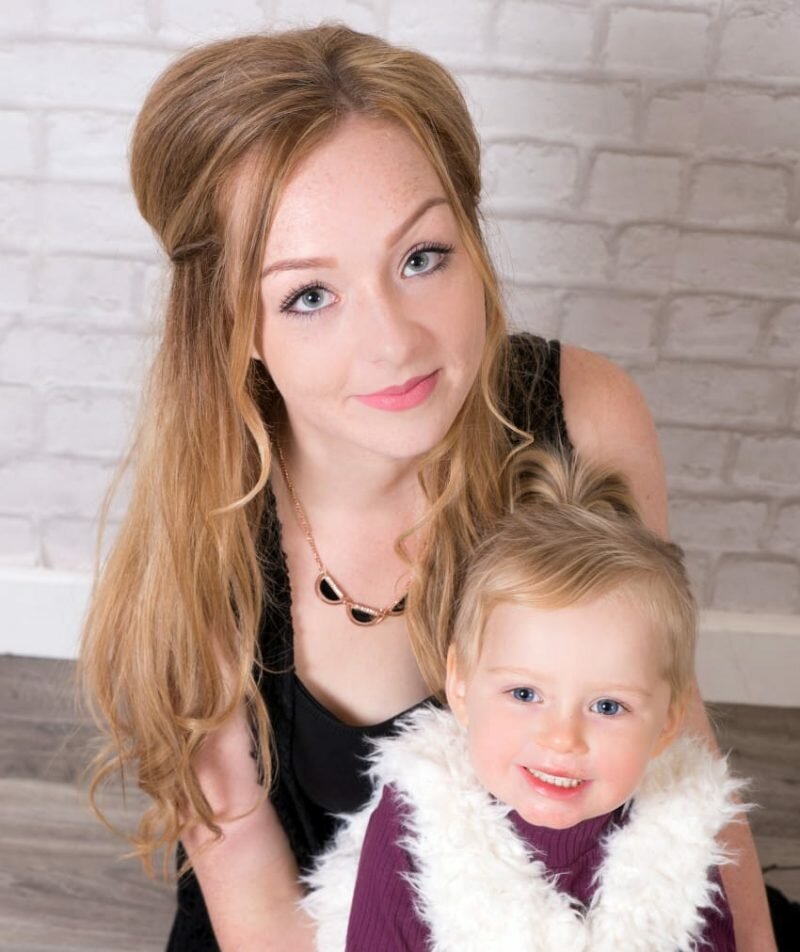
556, 781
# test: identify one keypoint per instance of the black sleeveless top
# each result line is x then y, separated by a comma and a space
319, 758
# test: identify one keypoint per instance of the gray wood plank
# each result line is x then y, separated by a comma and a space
64, 883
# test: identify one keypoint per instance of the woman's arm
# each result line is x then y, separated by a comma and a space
249, 878
608, 421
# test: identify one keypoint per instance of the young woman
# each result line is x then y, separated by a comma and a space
328, 416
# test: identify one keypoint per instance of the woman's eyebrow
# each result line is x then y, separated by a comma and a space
429, 203
298, 264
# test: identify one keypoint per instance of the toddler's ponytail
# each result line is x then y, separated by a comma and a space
558, 478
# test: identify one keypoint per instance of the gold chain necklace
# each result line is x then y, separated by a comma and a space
327, 588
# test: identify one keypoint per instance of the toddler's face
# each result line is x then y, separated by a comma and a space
565, 708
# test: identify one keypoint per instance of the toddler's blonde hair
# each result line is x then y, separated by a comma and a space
574, 534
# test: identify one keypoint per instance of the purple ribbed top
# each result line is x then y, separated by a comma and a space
383, 914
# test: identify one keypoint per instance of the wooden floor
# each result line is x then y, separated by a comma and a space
64, 886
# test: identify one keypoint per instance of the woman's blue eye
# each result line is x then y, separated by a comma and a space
607, 706
306, 300
426, 260
526, 695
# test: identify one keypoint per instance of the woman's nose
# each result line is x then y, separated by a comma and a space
392, 333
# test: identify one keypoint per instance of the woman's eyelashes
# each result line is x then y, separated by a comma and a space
307, 299
423, 259
426, 258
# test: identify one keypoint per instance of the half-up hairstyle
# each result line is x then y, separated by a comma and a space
170, 645
574, 534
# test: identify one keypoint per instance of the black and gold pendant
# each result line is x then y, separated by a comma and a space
330, 592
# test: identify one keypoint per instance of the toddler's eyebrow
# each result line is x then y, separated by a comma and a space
626, 689
525, 673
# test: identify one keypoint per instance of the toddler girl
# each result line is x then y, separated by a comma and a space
554, 805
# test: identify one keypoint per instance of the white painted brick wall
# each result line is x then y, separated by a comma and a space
530, 175
104, 19
769, 460
70, 541
460, 30
736, 193
51, 357
87, 146
713, 326
646, 256
761, 38
786, 531
697, 457
745, 263
783, 339
750, 123
728, 525
17, 133
674, 118
642, 163
185, 22
757, 583
634, 186
16, 281
576, 109
720, 394
657, 41
20, 542
620, 325
546, 33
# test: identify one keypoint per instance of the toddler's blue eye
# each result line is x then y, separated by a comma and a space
526, 695
607, 706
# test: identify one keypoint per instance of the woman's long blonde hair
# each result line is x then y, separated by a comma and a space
170, 645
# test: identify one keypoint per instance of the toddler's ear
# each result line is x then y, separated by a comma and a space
672, 727
455, 687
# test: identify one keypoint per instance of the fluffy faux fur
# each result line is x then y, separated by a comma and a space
480, 887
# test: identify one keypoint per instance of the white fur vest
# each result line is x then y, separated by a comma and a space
480, 887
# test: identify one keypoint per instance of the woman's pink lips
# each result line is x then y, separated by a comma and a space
408, 395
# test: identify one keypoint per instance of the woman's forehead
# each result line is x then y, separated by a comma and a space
366, 177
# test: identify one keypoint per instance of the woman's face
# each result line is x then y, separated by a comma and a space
373, 319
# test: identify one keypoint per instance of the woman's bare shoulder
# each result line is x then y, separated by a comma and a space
608, 420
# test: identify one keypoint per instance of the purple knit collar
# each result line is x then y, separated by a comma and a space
560, 849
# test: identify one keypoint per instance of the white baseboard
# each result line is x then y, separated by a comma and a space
41, 612
742, 658
745, 658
